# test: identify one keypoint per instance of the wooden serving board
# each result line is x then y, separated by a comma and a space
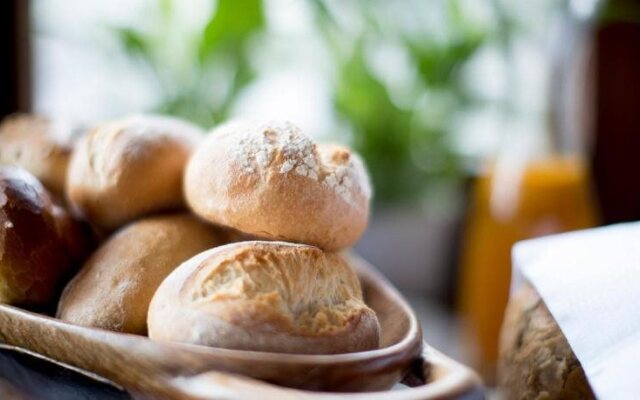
177, 371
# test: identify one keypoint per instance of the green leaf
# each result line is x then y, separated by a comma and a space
166, 7
134, 42
189, 107
383, 132
230, 26
438, 63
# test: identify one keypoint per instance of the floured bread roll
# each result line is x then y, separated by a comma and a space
272, 181
126, 169
265, 296
114, 287
38, 145
536, 361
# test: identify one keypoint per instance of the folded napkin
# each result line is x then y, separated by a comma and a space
590, 281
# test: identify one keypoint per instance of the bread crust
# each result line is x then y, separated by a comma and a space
29, 141
126, 169
114, 287
35, 240
536, 361
271, 181
265, 296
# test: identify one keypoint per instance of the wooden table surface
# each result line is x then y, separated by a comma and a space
23, 376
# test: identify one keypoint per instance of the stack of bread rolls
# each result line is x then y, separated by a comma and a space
230, 239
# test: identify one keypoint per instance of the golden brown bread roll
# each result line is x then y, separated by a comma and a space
126, 169
34, 143
35, 234
265, 296
536, 361
272, 181
114, 287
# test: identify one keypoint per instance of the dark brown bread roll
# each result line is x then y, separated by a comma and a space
39, 242
536, 361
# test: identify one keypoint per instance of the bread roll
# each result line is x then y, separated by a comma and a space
272, 181
37, 145
265, 296
114, 287
126, 169
536, 361
35, 255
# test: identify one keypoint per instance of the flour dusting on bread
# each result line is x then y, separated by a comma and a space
283, 146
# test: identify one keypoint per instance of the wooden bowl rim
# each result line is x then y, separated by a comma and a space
366, 272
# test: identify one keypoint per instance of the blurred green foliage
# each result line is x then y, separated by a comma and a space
407, 147
406, 144
200, 74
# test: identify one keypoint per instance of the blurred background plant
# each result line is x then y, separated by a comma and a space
201, 73
400, 121
402, 126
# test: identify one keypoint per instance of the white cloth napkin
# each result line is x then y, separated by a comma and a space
590, 281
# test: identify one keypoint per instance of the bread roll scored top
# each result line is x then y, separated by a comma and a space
265, 296
35, 240
272, 181
38, 145
126, 169
114, 287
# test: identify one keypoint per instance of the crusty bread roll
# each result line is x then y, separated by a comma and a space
114, 287
35, 238
272, 181
265, 296
38, 145
126, 169
536, 361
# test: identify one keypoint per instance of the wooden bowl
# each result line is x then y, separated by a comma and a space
176, 370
